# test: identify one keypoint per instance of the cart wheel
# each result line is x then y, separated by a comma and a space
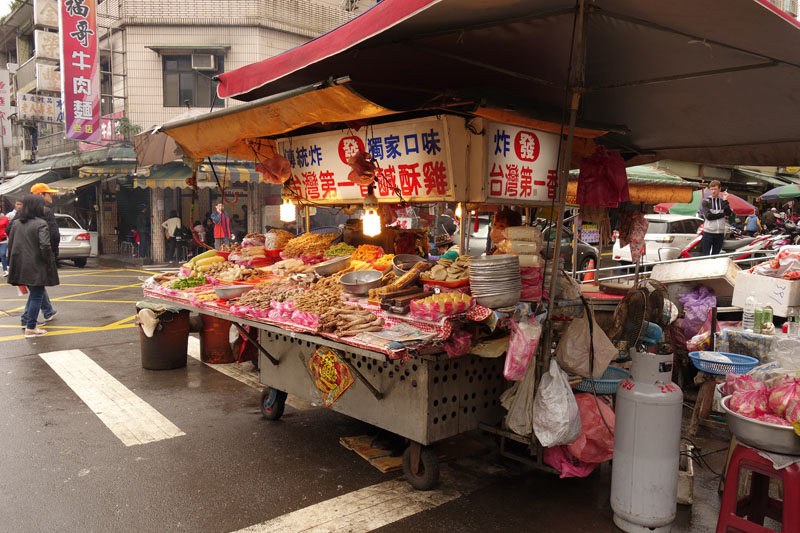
272, 403
428, 475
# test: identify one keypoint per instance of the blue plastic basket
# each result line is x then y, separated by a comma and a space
605, 384
740, 364
330, 229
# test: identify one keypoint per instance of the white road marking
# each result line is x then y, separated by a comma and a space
361, 510
129, 417
245, 375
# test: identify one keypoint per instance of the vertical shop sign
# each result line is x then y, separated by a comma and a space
521, 163
5, 107
45, 13
80, 69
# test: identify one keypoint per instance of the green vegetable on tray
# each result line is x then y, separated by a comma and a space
338, 250
185, 283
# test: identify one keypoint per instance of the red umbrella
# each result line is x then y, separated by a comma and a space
738, 205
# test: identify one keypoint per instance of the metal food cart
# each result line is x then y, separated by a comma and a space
425, 398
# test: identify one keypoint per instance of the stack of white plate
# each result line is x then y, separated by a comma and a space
494, 280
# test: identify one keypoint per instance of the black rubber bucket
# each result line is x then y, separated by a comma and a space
167, 348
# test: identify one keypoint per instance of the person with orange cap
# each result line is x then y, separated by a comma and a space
44, 190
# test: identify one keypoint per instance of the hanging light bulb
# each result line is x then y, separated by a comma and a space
371, 222
288, 212
458, 210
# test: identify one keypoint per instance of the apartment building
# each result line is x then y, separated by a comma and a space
157, 61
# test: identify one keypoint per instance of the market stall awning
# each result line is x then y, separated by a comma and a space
709, 82
108, 170
170, 176
71, 184
237, 131
20, 184
762, 177
228, 174
646, 185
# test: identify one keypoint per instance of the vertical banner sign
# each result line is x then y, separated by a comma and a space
80, 69
521, 164
5, 107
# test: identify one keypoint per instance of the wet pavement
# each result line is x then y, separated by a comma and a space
62, 467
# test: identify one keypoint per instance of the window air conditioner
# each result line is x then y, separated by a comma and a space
202, 62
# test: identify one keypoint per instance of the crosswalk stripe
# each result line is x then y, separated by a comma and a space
241, 373
361, 510
129, 417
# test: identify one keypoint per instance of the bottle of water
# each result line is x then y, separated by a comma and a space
794, 323
749, 315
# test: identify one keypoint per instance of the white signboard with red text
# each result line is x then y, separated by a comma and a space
522, 164
413, 155
5, 107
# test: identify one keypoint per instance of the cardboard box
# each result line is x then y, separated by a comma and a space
778, 293
717, 273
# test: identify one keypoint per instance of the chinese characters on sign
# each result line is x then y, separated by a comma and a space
5, 107
47, 46
413, 157
80, 69
45, 13
39, 108
521, 164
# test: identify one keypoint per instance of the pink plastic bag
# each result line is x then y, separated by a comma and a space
570, 466
521, 347
773, 419
784, 393
595, 443
741, 382
459, 343
603, 180
792, 413
751, 403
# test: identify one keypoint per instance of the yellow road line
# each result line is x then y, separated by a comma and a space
120, 322
72, 331
114, 288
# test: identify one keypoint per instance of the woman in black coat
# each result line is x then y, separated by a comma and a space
31, 261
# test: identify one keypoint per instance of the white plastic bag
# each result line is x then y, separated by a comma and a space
556, 419
520, 404
573, 349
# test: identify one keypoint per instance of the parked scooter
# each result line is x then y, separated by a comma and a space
745, 246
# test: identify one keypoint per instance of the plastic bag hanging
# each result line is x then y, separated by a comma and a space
603, 180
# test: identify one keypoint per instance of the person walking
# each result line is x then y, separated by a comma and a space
768, 219
171, 225
32, 261
3, 242
44, 190
222, 227
715, 210
208, 225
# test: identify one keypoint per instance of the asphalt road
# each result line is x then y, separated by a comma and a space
63, 468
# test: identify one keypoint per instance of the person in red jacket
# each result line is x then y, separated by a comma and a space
222, 227
3, 242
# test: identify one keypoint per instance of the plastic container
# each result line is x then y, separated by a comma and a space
793, 321
167, 348
215, 344
749, 314
607, 383
740, 364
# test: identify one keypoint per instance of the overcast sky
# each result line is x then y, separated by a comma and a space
5, 7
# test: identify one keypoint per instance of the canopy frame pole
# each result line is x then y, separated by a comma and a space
566, 157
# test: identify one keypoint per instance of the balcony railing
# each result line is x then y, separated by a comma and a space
26, 76
55, 144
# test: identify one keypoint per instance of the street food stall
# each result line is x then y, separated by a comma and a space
426, 101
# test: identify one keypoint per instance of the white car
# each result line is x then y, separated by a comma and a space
75, 244
666, 236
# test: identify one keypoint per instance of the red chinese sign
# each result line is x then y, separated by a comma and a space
80, 69
413, 157
521, 163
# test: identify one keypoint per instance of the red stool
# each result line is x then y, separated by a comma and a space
757, 504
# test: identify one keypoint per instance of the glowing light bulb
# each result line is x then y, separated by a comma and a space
371, 223
458, 211
288, 213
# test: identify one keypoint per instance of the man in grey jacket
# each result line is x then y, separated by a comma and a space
715, 211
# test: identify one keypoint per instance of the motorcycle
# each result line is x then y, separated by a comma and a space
745, 246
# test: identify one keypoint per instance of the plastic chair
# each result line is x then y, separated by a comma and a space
126, 248
757, 504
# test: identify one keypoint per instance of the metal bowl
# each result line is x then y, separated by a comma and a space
332, 266
404, 262
361, 281
231, 291
762, 435
495, 301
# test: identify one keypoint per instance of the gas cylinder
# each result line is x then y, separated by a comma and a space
644, 473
